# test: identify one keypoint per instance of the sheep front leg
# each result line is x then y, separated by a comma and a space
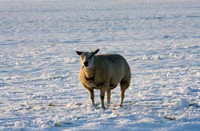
102, 95
91, 91
123, 89
108, 97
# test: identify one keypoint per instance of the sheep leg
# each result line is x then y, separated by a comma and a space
91, 91
102, 95
123, 89
108, 96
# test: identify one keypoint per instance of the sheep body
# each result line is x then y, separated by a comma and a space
105, 74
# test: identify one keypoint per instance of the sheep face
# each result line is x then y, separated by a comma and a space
87, 58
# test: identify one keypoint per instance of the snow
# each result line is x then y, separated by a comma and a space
39, 86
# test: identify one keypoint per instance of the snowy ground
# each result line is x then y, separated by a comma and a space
39, 86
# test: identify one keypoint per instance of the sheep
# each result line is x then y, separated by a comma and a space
104, 72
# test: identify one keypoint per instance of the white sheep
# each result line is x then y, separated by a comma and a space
104, 72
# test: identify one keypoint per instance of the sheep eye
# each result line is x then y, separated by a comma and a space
91, 56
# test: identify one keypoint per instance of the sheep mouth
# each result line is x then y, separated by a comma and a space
85, 66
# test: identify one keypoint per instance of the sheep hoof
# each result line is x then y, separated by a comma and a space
103, 107
95, 106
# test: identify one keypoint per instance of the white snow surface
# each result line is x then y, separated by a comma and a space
39, 86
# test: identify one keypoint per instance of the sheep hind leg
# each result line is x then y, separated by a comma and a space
123, 87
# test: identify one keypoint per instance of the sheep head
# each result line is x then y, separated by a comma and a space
87, 58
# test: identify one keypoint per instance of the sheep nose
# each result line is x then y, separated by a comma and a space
86, 64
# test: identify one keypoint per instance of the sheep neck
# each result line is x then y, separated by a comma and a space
89, 73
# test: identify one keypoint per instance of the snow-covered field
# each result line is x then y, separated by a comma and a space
39, 86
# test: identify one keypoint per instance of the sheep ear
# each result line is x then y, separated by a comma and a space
79, 52
96, 51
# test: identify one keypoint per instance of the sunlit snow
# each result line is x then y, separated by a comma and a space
39, 86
